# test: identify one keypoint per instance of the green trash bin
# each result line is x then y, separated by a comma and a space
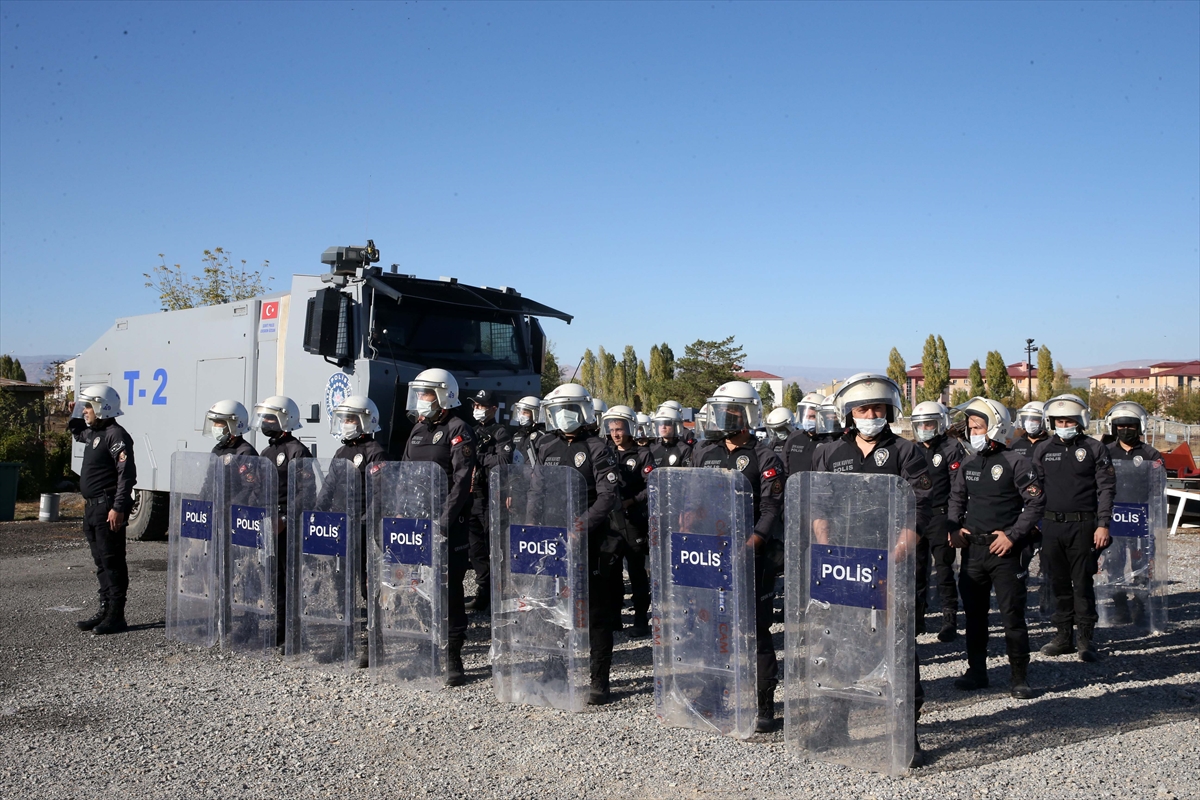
9, 473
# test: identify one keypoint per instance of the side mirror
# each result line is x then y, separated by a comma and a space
329, 326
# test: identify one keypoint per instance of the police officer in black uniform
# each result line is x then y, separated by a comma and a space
571, 441
943, 456
631, 518
1076, 472
106, 482
865, 404
227, 422
1032, 430
801, 444
276, 417
527, 428
670, 449
994, 504
446, 440
734, 410
494, 447
829, 427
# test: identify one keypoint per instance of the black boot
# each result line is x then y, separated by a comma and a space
973, 679
921, 627
94, 619
114, 620
598, 695
480, 602
1062, 643
641, 628
456, 675
1086, 653
949, 631
1019, 685
1121, 615
766, 711
918, 758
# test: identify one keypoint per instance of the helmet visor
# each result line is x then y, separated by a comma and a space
423, 401
727, 418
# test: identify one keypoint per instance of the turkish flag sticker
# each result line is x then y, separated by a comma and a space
270, 310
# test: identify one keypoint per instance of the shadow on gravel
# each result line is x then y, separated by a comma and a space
148, 626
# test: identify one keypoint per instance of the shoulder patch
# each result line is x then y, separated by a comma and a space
374, 468
122, 456
770, 473
466, 451
1033, 490
457, 440
777, 488
612, 477
649, 468
956, 465
923, 482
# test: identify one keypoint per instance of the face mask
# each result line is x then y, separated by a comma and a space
424, 408
1128, 435
271, 429
809, 425
780, 434
925, 434
1033, 426
525, 420
1066, 434
979, 442
220, 433
870, 428
566, 420
349, 431
480, 414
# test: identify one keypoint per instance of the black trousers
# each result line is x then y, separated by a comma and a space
459, 563
765, 574
478, 541
933, 543
1068, 562
639, 586
108, 549
605, 593
281, 568
981, 571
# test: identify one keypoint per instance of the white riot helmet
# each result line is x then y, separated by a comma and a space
355, 416
1066, 406
276, 411
734, 407
645, 429
1126, 412
599, 407
1029, 418
620, 414
104, 400
568, 408
666, 417
931, 411
674, 404
999, 424
827, 419
526, 412
780, 423
430, 392
808, 411
866, 389
227, 418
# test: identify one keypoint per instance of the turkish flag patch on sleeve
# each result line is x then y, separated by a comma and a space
648, 469
456, 441
771, 473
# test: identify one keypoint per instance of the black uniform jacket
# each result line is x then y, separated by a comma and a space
1077, 476
236, 446
494, 446
676, 453
943, 456
450, 444
595, 460
283, 450
997, 490
889, 455
1145, 451
763, 469
108, 467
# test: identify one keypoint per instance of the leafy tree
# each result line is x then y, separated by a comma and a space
1182, 405
704, 367
641, 397
767, 395
219, 281
975, 380
1062, 381
613, 381
1046, 374
11, 368
897, 371
999, 385
1099, 401
792, 396
661, 374
935, 362
589, 372
1146, 399
958, 397
551, 373
629, 362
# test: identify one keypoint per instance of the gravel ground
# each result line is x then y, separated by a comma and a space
136, 716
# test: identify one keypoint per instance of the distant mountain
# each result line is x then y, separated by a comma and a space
35, 366
809, 378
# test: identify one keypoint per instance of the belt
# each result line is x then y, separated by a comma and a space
984, 539
941, 509
106, 498
1070, 516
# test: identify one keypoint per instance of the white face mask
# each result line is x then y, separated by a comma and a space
978, 442
1067, 434
870, 428
525, 420
480, 414
566, 420
925, 434
220, 433
1033, 426
424, 408
809, 424
349, 430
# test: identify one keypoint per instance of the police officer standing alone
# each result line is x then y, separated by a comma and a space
996, 500
227, 421
106, 482
1076, 472
943, 456
447, 441
494, 447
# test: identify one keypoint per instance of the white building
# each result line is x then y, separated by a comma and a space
66, 381
757, 378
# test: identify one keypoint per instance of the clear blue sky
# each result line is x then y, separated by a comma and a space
823, 181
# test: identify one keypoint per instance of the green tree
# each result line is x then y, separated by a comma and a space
629, 362
1182, 405
1045, 374
705, 366
551, 373
958, 397
792, 396
975, 380
662, 374
935, 363
1099, 401
641, 397
999, 385
589, 372
219, 281
1062, 381
898, 372
767, 395
11, 368
1146, 399
611, 378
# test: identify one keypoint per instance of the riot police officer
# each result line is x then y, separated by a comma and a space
797, 451
779, 423
445, 439
829, 425
943, 456
631, 518
355, 420
227, 421
1076, 472
994, 504
493, 447
276, 417
599, 408
106, 481
1033, 429
733, 412
571, 441
688, 435
669, 449
527, 427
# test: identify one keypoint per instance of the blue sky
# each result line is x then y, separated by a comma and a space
823, 181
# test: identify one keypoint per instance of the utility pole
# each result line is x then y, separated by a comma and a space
1029, 370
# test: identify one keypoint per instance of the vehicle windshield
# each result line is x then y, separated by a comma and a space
448, 336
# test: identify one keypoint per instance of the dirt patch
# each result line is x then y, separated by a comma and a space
23, 538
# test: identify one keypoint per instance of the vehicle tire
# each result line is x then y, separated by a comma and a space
150, 516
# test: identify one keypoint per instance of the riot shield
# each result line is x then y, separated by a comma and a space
850, 652
407, 573
1131, 584
702, 600
324, 537
193, 553
540, 647
246, 520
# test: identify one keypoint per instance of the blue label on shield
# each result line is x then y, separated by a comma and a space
246, 525
701, 560
195, 519
324, 533
849, 576
538, 550
1130, 519
407, 541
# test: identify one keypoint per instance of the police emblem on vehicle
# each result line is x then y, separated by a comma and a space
279, 459
743, 462
997, 471
336, 389
672, 459
358, 460
1137, 461
631, 463
580, 458
881, 457
937, 459
95, 442
437, 437
1080, 454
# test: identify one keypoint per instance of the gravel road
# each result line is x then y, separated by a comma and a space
133, 715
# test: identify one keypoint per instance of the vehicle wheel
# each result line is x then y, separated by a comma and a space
150, 516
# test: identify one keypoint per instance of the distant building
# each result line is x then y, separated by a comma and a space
1023, 376
757, 378
30, 399
66, 381
1155, 378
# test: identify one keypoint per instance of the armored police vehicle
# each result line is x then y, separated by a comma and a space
352, 330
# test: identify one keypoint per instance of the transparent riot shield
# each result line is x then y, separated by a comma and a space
246, 520
850, 653
702, 600
407, 573
324, 537
193, 553
540, 648
1131, 584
